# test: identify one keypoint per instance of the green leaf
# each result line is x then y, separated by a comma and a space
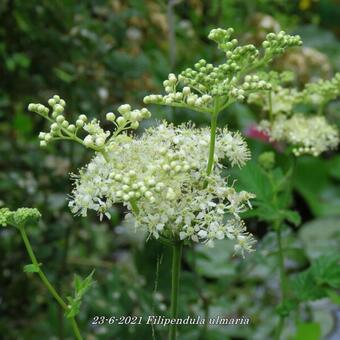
255, 180
80, 288
63, 75
334, 297
312, 180
292, 217
23, 123
310, 331
305, 288
318, 280
31, 268
326, 270
73, 307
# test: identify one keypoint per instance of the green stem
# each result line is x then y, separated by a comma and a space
213, 127
279, 328
283, 279
75, 329
320, 109
270, 104
47, 283
134, 207
175, 273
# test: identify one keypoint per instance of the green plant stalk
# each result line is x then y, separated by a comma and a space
279, 328
283, 278
213, 127
270, 102
175, 274
47, 283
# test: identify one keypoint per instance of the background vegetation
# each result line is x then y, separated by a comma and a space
98, 55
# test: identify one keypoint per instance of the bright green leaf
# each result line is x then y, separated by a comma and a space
310, 331
31, 268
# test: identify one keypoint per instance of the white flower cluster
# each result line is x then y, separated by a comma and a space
161, 178
96, 138
309, 135
282, 100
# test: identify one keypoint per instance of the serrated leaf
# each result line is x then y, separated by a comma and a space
305, 288
31, 268
326, 270
80, 288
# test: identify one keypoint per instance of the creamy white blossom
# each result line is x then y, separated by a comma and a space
282, 100
308, 135
161, 178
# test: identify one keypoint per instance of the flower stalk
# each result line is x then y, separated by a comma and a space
175, 277
213, 127
47, 283
283, 280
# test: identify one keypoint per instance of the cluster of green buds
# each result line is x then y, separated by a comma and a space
277, 44
208, 88
322, 91
96, 138
267, 160
22, 217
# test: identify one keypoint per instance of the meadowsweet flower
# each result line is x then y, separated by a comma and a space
309, 135
282, 100
165, 188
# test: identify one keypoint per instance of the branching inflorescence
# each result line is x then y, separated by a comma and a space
208, 88
95, 137
170, 179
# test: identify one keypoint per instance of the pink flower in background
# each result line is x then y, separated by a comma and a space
253, 131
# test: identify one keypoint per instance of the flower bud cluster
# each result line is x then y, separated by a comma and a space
308, 135
322, 91
267, 160
176, 98
96, 138
129, 118
166, 188
229, 81
277, 43
22, 217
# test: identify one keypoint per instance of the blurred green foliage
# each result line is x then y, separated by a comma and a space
98, 55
